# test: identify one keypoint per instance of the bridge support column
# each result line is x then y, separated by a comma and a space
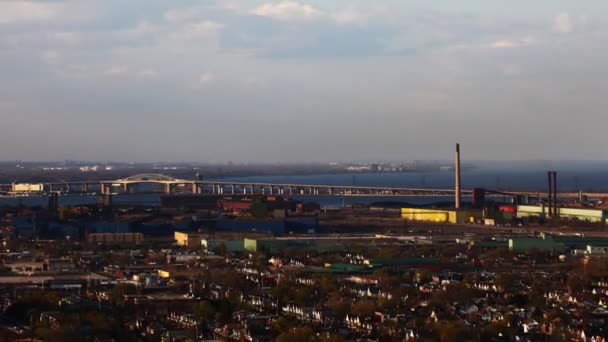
126, 188
329, 191
84, 188
194, 188
168, 188
232, 189
220, 189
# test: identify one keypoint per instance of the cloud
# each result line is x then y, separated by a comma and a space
182, 14
148, 73
350, 16
116, 70
50, 56
563, 23
65, 38
26, 11
193, 30
206, 77
289, 11
512, 43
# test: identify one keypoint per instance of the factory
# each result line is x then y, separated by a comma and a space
592, 215
441, 215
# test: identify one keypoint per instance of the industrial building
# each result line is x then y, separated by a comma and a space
524, 245
231, 245
441, 215
27, 187
557, 243
115, 238
583, 214
188, 239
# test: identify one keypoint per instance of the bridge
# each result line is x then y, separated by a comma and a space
169, 185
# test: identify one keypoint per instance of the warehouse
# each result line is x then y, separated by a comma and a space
441, 216
524, 245
188, 239
582, 214
230, 245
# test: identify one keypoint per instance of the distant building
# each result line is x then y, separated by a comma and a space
188, 239
524, 245
441, 216
115, 238
27, 187
231, 245
582, 214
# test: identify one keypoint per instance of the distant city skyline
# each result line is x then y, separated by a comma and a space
302, 81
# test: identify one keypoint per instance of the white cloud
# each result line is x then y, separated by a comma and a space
50, 56
512, 43
358, 15
206, 77
149, 73
66, 38
289, 11
563, 23
20, 11
182, 14
193, 30
350, 16
116, 70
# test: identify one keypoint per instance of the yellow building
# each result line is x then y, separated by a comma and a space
441, 216
164, 274
190, 239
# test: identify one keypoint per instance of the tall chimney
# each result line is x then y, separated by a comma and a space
550, 193
555, 206
457, 196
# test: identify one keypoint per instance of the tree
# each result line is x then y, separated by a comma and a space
332, 338
363, 308
298, 335
220, 249
259, 210
281, 325
204, 309
117, 294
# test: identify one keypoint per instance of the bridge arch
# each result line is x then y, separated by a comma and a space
149, 177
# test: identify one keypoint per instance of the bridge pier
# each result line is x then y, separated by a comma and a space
232, 189
84, 188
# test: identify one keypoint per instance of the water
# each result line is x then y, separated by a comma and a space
504, 179
503, 176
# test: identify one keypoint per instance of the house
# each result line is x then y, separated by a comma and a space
530, 326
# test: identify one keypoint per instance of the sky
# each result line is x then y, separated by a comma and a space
303, 81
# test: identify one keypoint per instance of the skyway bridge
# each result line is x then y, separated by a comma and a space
169, 185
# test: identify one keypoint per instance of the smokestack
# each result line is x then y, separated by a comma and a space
555, 207
550, 193
457, 176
